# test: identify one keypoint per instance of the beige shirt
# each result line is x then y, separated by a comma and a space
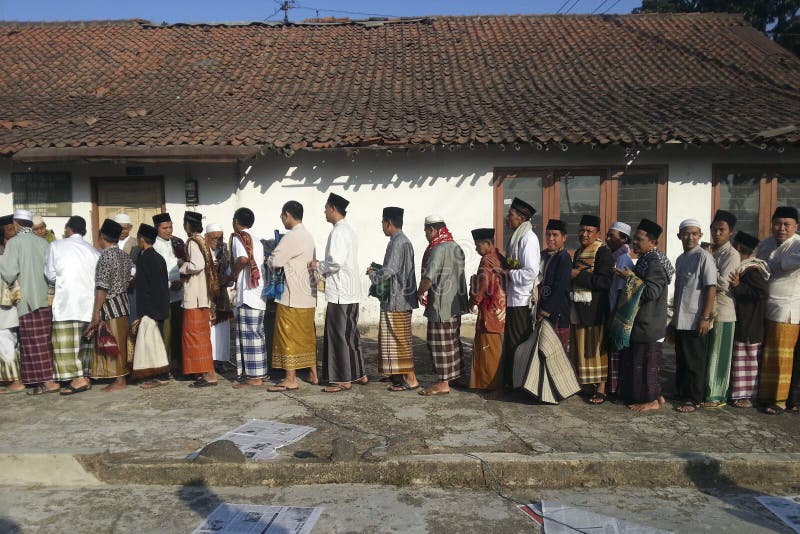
783, 304
295, 250
195, 288
728, 261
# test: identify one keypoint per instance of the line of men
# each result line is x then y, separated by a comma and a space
609, 312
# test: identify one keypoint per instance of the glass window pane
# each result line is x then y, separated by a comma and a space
580, 195
529, 189
739, 194
637, 198
789, 189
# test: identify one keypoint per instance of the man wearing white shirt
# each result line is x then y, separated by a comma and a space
70, 265
342, 361
248, 271
523, 256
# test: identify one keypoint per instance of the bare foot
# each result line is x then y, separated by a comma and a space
312, 376
116, 385
362, 381
646, 406
440, 388
661, 400
14, 387
249, 383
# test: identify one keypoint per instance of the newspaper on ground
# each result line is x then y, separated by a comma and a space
787, 509
532, 512
260, 440
564, 519
258, 519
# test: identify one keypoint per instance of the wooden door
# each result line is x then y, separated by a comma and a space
140, 199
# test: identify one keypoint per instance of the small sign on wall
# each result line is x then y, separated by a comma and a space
48, 194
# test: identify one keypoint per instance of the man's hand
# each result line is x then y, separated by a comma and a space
312, 265
622, 273
176, 285
733, 279
575, 272
704, 327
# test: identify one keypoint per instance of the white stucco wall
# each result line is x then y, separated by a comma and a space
456, 184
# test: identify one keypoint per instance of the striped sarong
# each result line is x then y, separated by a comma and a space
342, 360
519, 325
251, 345
639, 366
196, 353
112, 367
744, 370
613, 370
396, 355
776, 363
588, 354
444, 342
718, 372
72, 354
543, 368
36, 346
294, 344
9, 355
486, 350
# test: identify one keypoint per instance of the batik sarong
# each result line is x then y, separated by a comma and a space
639, 367
486, 350
588, 354
36, 346
444, 342
196, 341
113, 366
9, 355
396, 355
342, 360
744, 370
720, 351
776, 363
251, 347
72, 353
294, 344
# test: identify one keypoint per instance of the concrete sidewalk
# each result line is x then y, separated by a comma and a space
159, 427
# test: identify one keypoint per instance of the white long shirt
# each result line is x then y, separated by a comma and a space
70, 264
522, 281
164, 247
250, 296
340, 266
783, 303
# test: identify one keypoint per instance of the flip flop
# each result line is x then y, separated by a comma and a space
69, 390
597, 398
426, 393
360, 383
202, 383
42, 390
279, 388
773, 409
795, 410
713, 404
336, 388
686, 407
402, 386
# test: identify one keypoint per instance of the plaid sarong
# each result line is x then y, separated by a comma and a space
394, 343
444, 342
588, 354
251, 346
718, 373
9, 355
294, 344
776, 363
72, 354
744, 370
196, 341
36, 346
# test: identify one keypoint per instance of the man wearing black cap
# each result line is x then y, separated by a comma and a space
342, 360
749, 287
112, 277
396, 357
720, 344
152, 305
523, 257
641, 320
171, 249
778, 382
9, 321
554, 304
592, 274
70, 266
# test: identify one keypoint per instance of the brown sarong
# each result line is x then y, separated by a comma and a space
588, 354
196, 341
294, 345
112, 367
394, 343
486, 352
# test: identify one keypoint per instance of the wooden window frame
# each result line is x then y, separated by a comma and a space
551, 191
768, 189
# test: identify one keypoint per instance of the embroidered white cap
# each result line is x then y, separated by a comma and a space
621, 227
23, 215
122, 218
689, 222
433, 219
213, 227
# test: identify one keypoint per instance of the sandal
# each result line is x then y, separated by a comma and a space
41, 390
336, 388
712, 404
202, 383
69, 390
795, 410
402, 386
280, 388
742, 403
773, 409
687, 407
597, 398
432, 393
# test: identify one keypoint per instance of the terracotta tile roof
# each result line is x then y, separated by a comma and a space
503, 79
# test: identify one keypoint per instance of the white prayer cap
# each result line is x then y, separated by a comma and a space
621, 227
37, 220
433, 219
213, 227
689, 222
23, 215
122, 218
